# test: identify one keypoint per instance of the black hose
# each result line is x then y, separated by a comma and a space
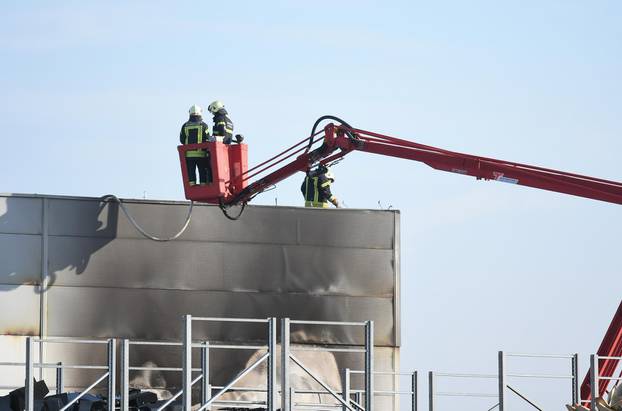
115, 199
224, 208
328, 117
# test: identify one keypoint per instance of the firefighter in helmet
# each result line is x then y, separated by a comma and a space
316, 188
223, 126
195, 131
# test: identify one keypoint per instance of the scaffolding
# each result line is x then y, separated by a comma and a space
193, 376
346, 398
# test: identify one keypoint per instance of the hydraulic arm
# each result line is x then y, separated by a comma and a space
233, 186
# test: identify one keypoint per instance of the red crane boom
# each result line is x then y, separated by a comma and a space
231, 177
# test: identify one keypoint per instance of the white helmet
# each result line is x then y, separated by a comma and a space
329, 174
215, 106
195, 110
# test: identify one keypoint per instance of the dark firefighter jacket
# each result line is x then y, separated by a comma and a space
316, 190
194, 131
223, 126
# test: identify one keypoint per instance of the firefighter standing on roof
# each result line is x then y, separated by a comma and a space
195, 131
316, 188
223, 126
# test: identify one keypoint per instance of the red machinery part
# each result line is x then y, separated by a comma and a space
238, 166
228, 164
231, 188
611, 346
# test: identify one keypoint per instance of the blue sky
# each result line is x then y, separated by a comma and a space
93, 95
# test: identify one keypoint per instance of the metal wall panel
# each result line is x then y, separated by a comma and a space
259, 224
191, 265
83, 218
156, 314
20, 215
20, 310
95, 219
347, 228
20, 259
134, 263
346, 271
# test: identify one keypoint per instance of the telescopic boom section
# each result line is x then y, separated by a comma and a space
232, 180
339, 141
492, 169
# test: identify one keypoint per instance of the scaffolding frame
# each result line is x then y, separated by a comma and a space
189, 380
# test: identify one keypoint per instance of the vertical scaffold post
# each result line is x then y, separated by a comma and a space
575, 378
285, 397
431, 389
346, 387
594, 380
187, 364
30, 396
501, 378
358, 397
414, 396
59, 378
206, 387
125, 374
271, 383
112, 373
369, 366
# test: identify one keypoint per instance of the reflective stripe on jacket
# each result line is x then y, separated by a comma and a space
223, 126
194, 131
316, 191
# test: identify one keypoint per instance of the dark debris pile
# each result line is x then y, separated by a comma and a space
138, 401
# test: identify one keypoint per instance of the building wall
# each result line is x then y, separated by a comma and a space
76, 267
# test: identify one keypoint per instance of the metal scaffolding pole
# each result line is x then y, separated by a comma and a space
594, 380
346, 387
125, 374
285, 394
575, 379
501, 371
30, 406
112, 372
206, 388
59, 378
271, 383
187, 364
431, 391
414, 399
369, 366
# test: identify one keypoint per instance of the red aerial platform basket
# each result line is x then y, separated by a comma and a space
229, 164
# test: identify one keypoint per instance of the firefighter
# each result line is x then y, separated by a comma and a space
316, 188
195, 131
223, 126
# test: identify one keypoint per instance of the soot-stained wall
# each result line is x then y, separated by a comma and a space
76, 267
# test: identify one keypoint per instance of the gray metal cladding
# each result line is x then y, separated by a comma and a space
20, 259
266, 225
155, 314
19, 215
19, 308
106, 280
191, 265
20, 265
